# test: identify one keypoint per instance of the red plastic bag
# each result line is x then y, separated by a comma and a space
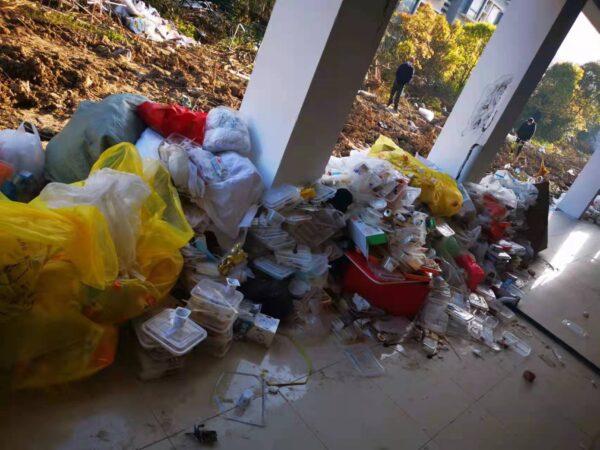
494, 208
475, 273
497, 230
169, 119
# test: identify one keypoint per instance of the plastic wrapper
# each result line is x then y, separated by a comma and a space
118, 195
525, 193
61, 295
438, 190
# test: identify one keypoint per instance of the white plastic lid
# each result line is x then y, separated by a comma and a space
177, 341
280, 196
323, 193
271, 268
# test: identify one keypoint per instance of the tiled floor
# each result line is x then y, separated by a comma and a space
453, 401
568, 284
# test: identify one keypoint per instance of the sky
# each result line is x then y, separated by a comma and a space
581, 45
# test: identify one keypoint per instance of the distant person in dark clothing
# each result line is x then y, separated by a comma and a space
525, 133
404, 74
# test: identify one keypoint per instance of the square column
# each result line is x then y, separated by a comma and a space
584, 189
509, 69
312, 61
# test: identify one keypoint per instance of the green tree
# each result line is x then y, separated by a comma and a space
587, 105
470, 40
554, 103
444, 55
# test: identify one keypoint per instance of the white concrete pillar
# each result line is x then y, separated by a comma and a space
312, 60
511, 66
584, 189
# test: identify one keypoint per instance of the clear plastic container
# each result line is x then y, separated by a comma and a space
212, 322
364, 361
174, 331
502, 312
516, 344
459, 314
217, 294
299, 257
575, 328
281, 196
273, 238
272, 268
217, 347
514, 291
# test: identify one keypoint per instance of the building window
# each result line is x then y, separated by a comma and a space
409, 6
473, 8
494, 15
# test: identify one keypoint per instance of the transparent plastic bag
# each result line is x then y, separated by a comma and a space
22, 149
119, 197
61, 296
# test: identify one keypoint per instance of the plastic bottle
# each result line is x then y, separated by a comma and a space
575, 328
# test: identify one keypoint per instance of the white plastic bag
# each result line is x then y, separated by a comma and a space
232, 186
226, 131
427, 114
119, 197
23, 150
148, 144
526, 193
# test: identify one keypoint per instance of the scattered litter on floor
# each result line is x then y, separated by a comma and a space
144, 20
241, 397
529, 376
575, 328
200, 254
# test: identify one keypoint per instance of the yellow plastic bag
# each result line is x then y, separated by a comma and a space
438, 190
61, 295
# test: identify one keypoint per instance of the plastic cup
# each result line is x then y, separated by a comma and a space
180, 317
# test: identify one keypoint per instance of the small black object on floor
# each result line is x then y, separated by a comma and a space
205, 437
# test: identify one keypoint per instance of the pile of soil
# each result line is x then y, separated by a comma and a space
369, 118
52, 59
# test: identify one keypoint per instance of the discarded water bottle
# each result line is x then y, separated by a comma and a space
575, 328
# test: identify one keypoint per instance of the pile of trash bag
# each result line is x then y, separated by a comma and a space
179, 235
81, 259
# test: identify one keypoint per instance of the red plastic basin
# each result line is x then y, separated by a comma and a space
398, 298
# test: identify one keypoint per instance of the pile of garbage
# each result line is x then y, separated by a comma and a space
179, 235
143, 20
592, 214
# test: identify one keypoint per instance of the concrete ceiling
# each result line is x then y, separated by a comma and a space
592, 12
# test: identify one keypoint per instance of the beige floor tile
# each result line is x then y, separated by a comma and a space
104, 412
164, 444
347, 411
534, 412
423, 389
474, 429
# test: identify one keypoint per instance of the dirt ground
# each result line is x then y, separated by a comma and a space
51, 59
